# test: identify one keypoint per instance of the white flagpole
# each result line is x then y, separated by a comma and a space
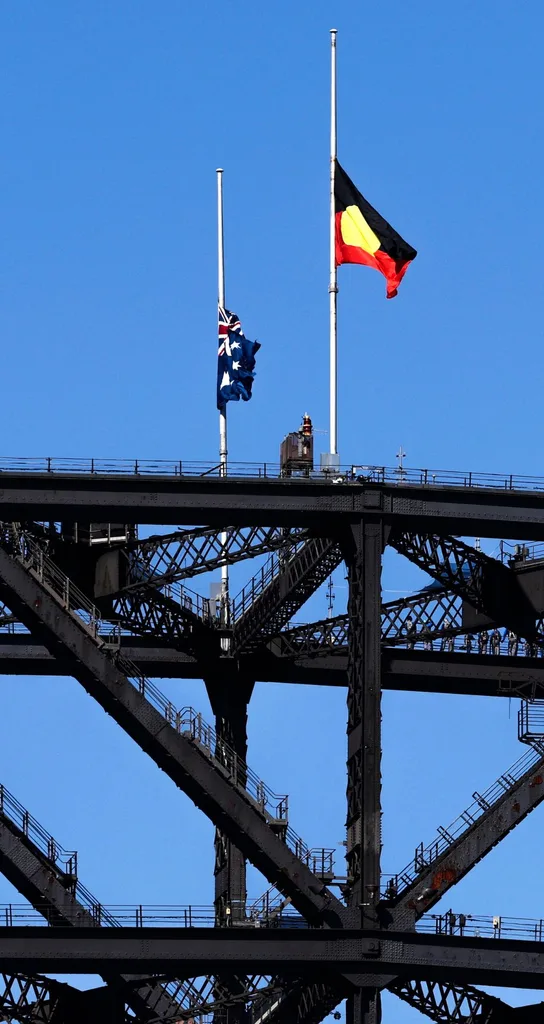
333, 287
223, 411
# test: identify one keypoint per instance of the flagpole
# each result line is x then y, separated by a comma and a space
223, 411
333, 286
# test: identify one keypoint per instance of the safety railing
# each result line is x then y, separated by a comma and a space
470, 643
190, 600
270, 903
425, 856
510, 551
180, 468
186, 721
64, 860
262, 579
190, 723
531, 721
138, 916
33, 557
483, 927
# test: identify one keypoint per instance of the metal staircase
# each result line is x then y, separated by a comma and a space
271, 598
528, 767
185, 721
18, 819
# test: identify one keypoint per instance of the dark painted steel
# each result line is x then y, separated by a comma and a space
228, 806
293, 579
48, 880
469, 511
165, 559
489, 586
364, 956
32, 999
445, 1003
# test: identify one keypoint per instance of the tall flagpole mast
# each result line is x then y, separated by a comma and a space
223, 410
333, 287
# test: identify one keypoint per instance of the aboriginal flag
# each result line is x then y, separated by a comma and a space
363, 236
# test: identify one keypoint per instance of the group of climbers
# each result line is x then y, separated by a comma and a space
484, 642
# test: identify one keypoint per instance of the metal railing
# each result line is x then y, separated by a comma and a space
483, 927
390, 475
273, 566
425, 856
64, 860
27, 549
531, 721
186, 721
141, 916
483, 643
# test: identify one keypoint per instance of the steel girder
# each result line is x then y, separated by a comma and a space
274, 595
411, 670
162, 560
31, 999
455, 851
441, 1001
210, 782
425, 616
367, 958
94, 497
154, 614
46, 875
42, 871
488, 585
452, 1004
439, 866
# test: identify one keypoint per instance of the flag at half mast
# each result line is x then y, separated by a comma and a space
235, 360
363, 236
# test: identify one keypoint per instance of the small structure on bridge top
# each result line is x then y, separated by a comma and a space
297, 450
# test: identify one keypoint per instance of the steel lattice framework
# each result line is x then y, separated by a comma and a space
82, 595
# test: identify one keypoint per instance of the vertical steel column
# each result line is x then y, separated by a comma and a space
364, 555
229, 699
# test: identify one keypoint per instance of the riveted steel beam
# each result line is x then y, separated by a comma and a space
227, 804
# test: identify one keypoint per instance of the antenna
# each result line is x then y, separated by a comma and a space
331, 597
401, 455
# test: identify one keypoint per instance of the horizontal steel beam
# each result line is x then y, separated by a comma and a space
206, 780
469, 511
411, 671
364, 956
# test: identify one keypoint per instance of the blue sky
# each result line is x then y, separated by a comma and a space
114, 118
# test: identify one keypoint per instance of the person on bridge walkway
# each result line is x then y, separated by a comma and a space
513, 642
496, 641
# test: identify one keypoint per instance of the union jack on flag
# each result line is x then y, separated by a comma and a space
235, 360
227, 322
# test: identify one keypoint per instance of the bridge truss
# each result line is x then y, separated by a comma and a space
83, 596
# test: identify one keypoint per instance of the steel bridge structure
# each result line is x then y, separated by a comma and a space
83, 595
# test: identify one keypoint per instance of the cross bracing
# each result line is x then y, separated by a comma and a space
436, 636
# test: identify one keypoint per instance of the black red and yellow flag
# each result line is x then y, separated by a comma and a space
363, 236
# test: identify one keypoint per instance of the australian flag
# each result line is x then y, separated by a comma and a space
235, 360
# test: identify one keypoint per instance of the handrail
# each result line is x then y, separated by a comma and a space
264, 576
185, 721
64, 860
482, 927
135, 916
178, 468
424, 857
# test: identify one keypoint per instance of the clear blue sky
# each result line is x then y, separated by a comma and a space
113, 120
